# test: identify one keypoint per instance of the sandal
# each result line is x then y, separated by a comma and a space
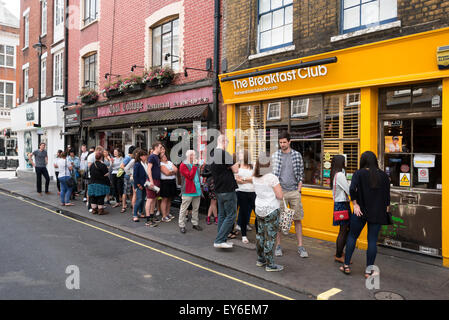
123, 210
232, 236
69, 204
345, 269
116, 205
141, 216
136, 219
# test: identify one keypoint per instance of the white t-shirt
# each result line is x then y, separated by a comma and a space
266, 201
169, 165
340, 188
63, 165
245, 187
83, 161
90, 160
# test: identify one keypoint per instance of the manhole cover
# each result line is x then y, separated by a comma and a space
385, 295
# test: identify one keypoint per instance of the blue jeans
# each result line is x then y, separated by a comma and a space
356, 227
140, 200
227, 212
66, 192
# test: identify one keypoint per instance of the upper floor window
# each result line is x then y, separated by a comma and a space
361, 14
26, 31
58, 73
6, 95
166, 44
7, 56
58, 32
275, 24
44, 77
44, 17
25, 84
90, 11
90, 71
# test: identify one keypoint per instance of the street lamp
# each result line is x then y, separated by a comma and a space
40, 47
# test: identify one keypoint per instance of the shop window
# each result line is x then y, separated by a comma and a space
166, 44
362, 14
328, 125
300, 108
275, 24
90, 71
274, 111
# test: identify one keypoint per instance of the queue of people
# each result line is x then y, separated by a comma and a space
233, 184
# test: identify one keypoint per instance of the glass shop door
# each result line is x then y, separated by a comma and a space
410, 150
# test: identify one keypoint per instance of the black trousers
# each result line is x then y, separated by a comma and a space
42, 171
58, 184
117, 184
98, 200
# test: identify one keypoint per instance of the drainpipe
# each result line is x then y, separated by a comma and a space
66, 61
215, 90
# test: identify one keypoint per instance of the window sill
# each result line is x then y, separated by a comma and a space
272, 52
89, 24
382, 27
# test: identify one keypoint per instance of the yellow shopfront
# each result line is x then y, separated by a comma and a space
390, 97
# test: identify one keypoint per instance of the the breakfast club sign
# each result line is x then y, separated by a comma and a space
166, 101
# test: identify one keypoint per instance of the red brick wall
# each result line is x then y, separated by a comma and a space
127, 46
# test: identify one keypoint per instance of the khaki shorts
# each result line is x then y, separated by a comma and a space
293, 200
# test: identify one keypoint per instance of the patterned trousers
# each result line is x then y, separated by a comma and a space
267, 229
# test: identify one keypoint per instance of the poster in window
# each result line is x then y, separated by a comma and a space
393, 144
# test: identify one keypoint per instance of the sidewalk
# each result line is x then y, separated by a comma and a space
409, 275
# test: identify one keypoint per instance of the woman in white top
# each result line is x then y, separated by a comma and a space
268, 193
340, 191
246, 197
117, 182
64, 167
168, 186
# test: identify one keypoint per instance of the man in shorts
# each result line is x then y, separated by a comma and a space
288, 166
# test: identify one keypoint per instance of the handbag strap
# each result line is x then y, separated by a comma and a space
285, 204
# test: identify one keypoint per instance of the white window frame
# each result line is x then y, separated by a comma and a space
26, 24
13, 94
273, 105
44, 77
348, 103
58, 21
26, 74
272, 11
9, 55
58, 73
304, 103
88, 4
44, 10
172, 62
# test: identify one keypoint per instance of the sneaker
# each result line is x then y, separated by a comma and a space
171, 217
260, 263
248, 228
223, 245
84, 199
302, 252
237, 227
166, 219
90, 210
274, 268
245, 240
208, 221
278, 251
151, 223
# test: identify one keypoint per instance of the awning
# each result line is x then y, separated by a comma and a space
176, 115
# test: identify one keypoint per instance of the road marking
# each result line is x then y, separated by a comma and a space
156, 250
329, 293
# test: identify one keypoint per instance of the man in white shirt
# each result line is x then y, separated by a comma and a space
83, 169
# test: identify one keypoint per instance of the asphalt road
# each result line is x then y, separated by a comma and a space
37, 247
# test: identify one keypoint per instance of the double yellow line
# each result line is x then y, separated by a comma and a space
156, 250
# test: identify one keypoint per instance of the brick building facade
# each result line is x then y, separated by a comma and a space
9, 62
45, 20
345, 77
112, 37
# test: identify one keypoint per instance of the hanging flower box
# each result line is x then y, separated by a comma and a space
132, 84
158, 77
112, 89
88, 96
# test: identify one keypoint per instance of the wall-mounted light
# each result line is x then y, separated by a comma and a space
168, 55
110, 74
133, 67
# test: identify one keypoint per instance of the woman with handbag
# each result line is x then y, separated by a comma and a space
370, 194
65, 179
209, 186
268, 193
342, 208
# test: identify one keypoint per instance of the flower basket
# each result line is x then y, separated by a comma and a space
136, 88
132, 84
158, 77
88, 96
112, 90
